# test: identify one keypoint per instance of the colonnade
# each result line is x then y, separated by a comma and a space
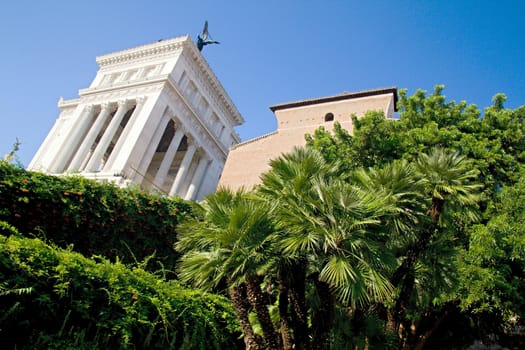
173, 162
94, 133
179, 164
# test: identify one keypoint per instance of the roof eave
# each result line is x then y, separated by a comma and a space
340, 97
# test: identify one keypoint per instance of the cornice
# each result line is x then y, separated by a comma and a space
67, 103
254, 140
140, 52
111, 95
340, 97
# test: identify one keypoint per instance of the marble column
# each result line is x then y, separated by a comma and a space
150, 148
103, 144
78, 130
165, 165
86, 145
184, 167
197, 177
123, 139
49, 149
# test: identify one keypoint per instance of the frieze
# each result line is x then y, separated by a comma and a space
110, 95
147, 85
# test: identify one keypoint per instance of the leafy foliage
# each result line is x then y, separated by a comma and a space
494, 141
331, 222
370, 240
457, 260
319, 242
54, 298
95, 218
230, 246
494, 266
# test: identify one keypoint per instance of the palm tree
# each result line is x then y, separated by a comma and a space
332, 229
403, 187
424, 192
452, 178
229, 245
288, 185
447, 178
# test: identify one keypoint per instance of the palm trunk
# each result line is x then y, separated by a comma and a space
323, 317
238, 298
391, 324
404, 276
298, 310
435, 210
430, 325
284, 316
257, 300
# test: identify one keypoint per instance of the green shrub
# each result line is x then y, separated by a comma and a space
53, 298
96, 218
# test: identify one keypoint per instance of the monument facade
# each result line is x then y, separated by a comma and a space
154, 115
248, 160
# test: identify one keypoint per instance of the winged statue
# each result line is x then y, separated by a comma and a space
205, 38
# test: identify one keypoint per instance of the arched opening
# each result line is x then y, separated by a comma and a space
329, 117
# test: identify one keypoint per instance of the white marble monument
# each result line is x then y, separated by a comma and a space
155, 115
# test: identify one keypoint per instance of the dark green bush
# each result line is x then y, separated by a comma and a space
96, 218
53, 298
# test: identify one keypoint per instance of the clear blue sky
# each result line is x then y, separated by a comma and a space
271, 51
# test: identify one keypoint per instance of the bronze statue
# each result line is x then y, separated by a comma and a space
202, 40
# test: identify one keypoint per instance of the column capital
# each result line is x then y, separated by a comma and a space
141, 100
123, 103
204, 157
192, 141
182, 128
89, 108
169, 112
107, 106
